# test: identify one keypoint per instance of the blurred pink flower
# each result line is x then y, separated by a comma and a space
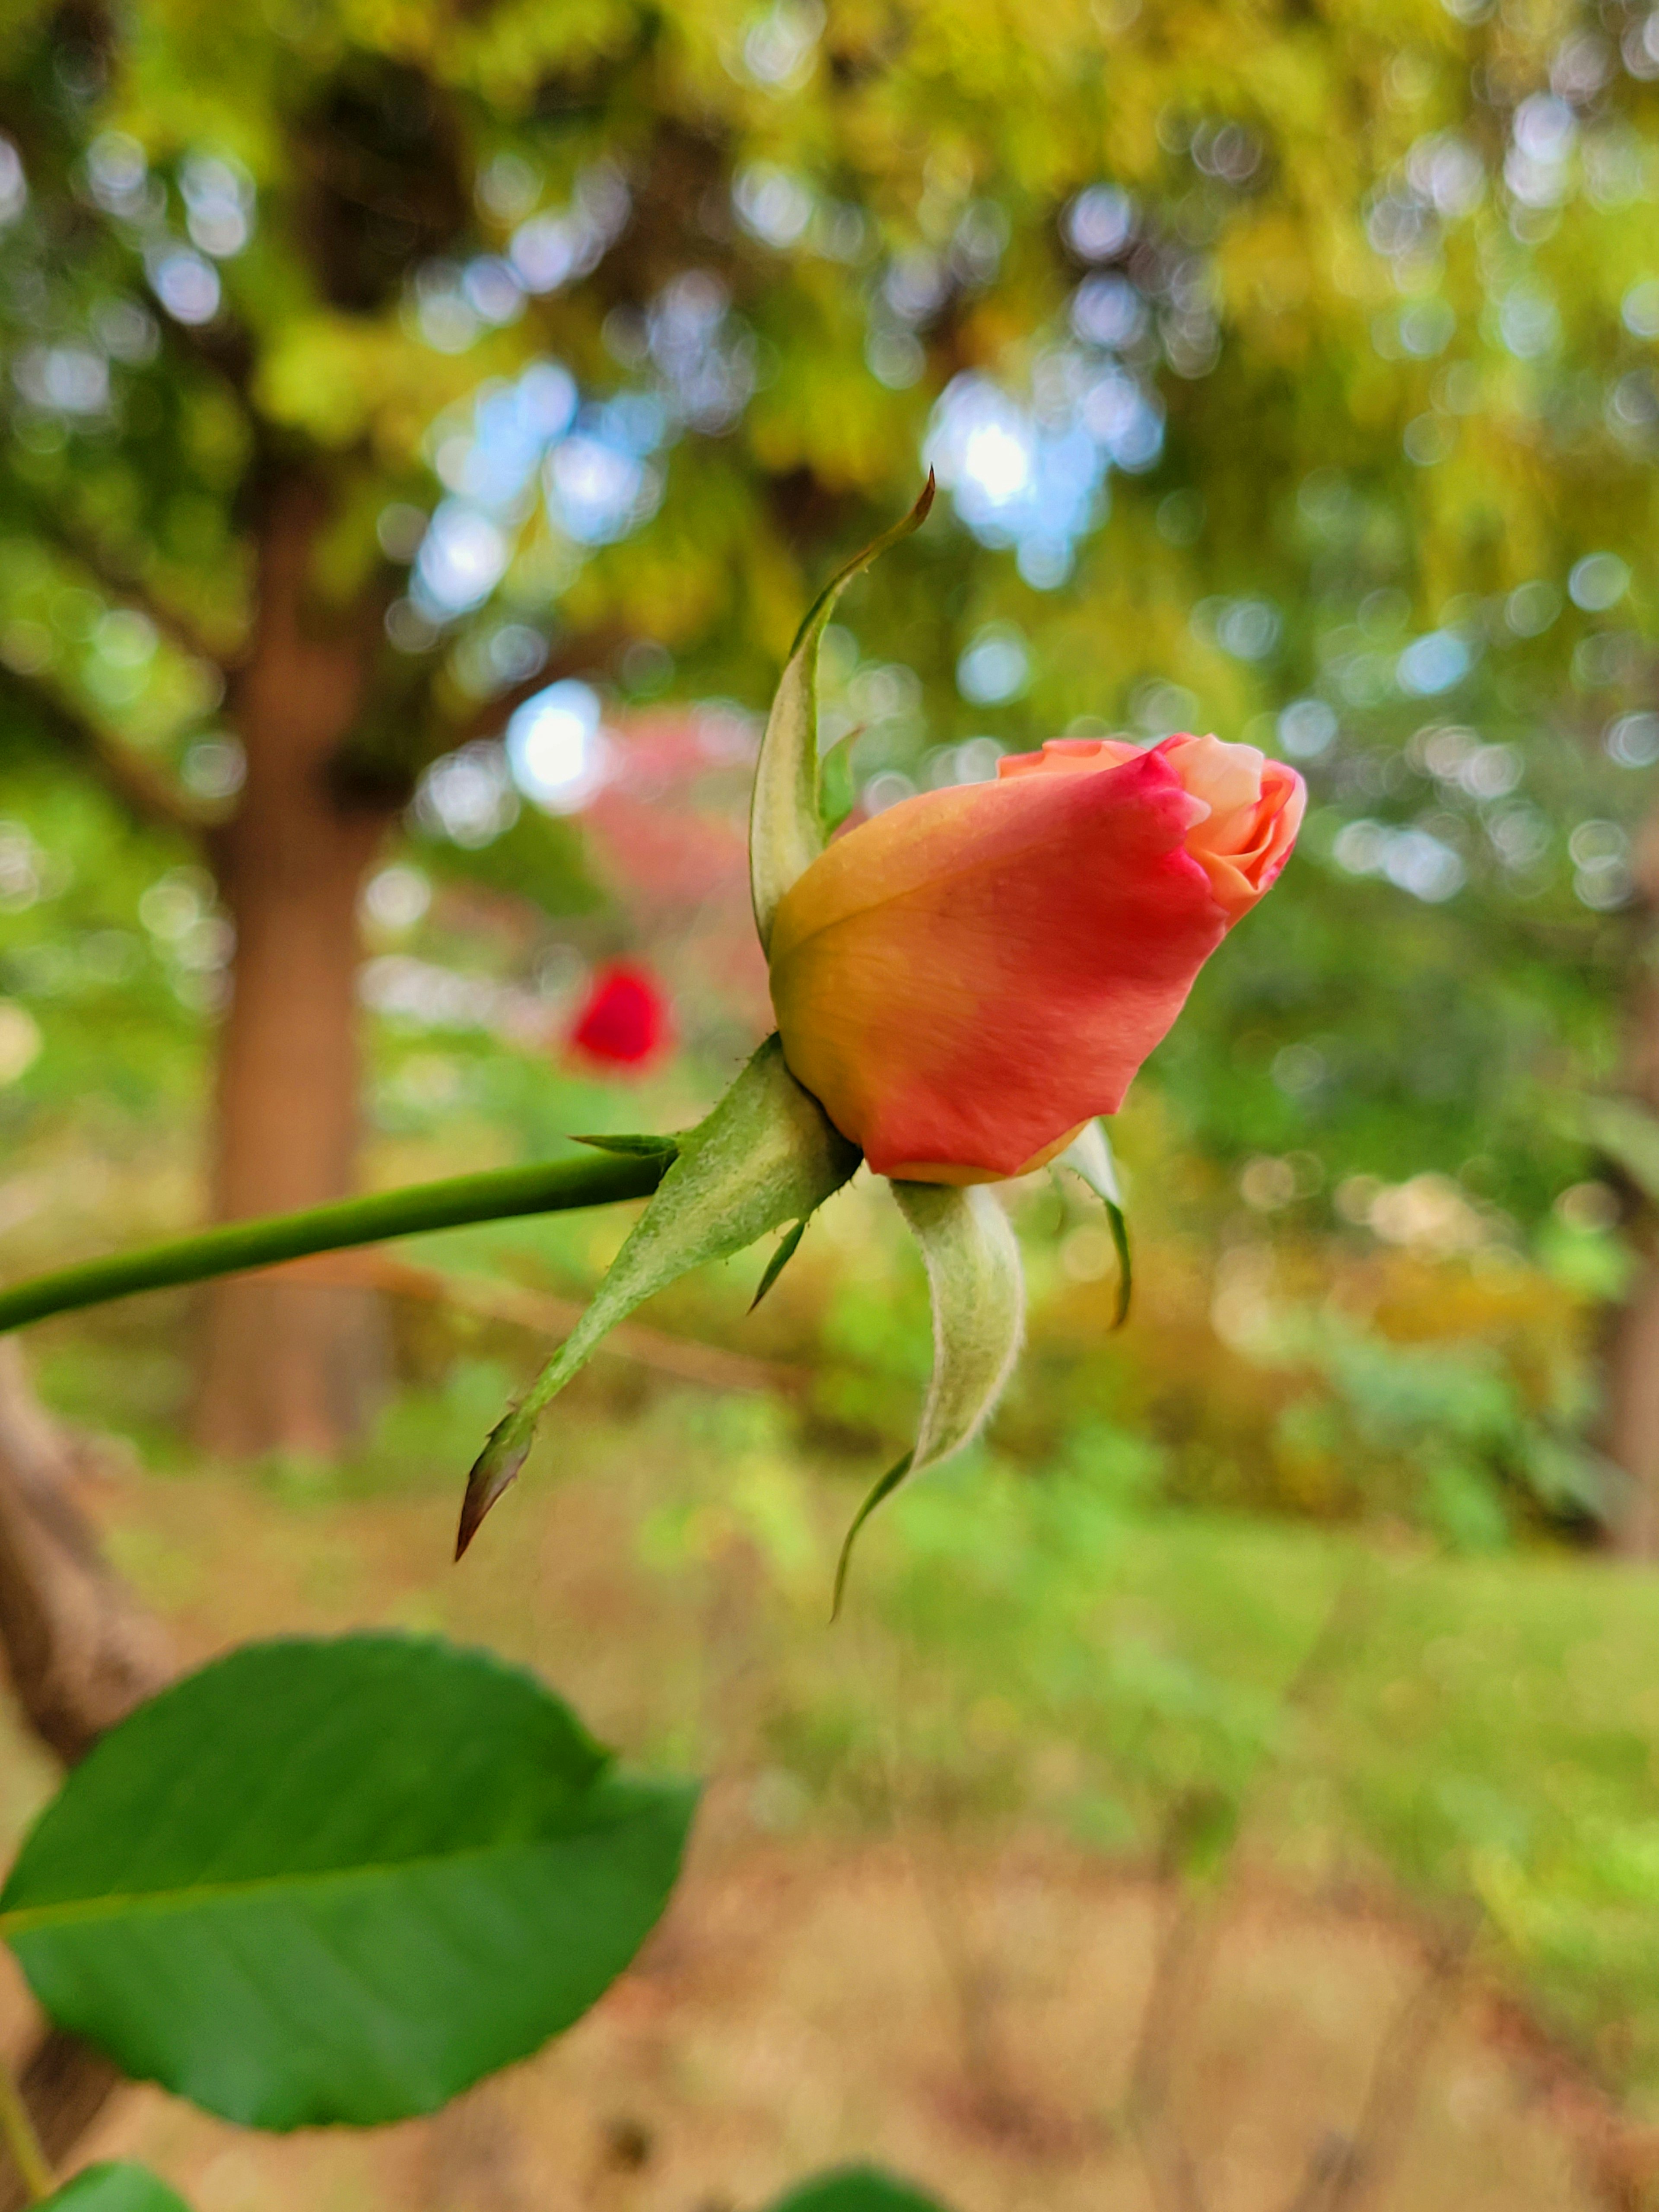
625, 1021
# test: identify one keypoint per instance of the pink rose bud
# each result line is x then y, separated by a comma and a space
966, 980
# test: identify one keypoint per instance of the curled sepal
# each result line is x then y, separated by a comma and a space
768, 1154
978, 1290
785, 831
1089, 1156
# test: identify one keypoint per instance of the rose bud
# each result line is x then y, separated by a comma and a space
625, 1020
967, 979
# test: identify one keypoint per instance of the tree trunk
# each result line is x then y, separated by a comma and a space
289, 1364
1630, 1374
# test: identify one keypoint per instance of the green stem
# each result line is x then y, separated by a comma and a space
239, 1245
17, 2132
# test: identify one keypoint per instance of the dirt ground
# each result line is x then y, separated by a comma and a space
1017, 2025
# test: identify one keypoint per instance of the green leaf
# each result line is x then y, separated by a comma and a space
119, 2188
1089, 1156
856, 2189
978, 1291
785, 834
339, 1880
766, 1155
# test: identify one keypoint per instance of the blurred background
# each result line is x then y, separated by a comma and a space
423, 426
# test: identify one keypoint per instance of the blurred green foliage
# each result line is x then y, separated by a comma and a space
782, 253
1290, 372
1288, 375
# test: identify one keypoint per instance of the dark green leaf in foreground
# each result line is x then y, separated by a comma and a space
339, 1880
856, 2189
121, 2188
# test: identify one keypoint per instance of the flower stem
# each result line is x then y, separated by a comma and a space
17, 2132
551, 1188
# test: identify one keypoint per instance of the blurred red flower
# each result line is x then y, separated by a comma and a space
626, 1019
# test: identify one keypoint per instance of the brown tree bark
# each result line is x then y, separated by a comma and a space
1631, 1372
291, 1364
80, 1652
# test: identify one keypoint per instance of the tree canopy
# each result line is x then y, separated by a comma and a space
1287, 372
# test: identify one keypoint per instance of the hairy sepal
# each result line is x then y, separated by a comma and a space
767, 1155
978, 1290
786, 830
1089, 1156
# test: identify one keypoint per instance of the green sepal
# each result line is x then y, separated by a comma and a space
788, 1245
649, 1146
838, 791
1089, 1156
978, 1290
786, 833
768, 1154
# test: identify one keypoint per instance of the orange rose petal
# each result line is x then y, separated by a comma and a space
1068, 756
962, 979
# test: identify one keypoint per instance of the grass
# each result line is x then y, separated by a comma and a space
1480, 1732
1021, 1652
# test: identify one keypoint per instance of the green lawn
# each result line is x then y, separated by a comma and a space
1478, 1730
1018, 1649
1022, 1648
